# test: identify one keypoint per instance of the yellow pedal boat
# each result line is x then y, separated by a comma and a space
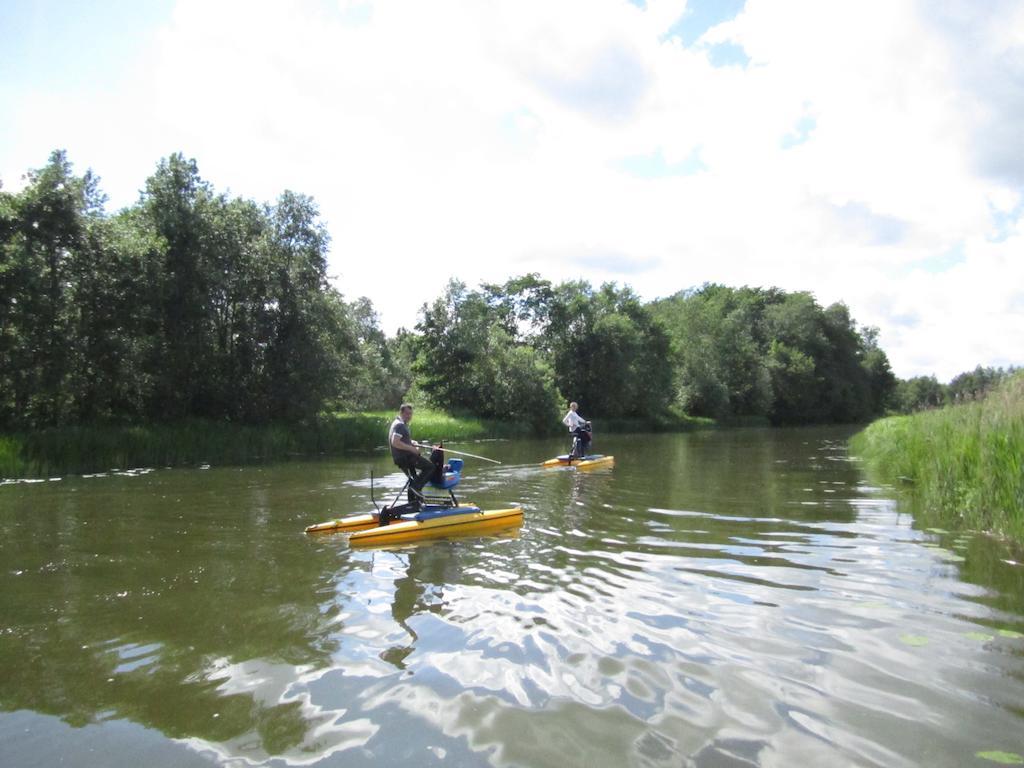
430, 522
592, 461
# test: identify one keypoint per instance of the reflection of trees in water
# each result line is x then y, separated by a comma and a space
223, 627
145, 610
758, 472
699, 495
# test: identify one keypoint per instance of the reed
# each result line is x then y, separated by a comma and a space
11, 463
964, 463
429, 425
100, 448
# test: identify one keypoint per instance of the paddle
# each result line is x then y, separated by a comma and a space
459, 453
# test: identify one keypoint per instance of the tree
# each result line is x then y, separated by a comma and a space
311, 351
114, 318
918, 393
719, 351
881, 380
452, 348
972, 385
609, 353
44, 231
765, 352
176, 203
187, 304
466, 359
380, 376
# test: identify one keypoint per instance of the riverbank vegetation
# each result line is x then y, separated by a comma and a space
962, 464
192, 443
192, 307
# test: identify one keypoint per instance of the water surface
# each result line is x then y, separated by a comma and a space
716, 599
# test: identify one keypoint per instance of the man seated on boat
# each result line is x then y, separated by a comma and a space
406, 455
579, 428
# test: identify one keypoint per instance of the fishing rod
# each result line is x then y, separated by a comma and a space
460, 453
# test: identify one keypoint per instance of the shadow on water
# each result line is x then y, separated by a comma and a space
717, 598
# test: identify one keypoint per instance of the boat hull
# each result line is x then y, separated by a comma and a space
587, 462
365, 530
478, 521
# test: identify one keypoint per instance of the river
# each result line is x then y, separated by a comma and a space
719, 598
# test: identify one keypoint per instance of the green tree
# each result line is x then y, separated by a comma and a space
114, 320
467, 359
919, 393
44, 234
765, 352
522, 387
718, 350
973, 385
188, 304
176, 203
314, 341
798, 344
381, 374
881, 380
608, 352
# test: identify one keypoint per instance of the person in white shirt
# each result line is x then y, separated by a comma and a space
578, 427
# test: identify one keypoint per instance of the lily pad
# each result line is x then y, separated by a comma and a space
1003, 758
914, 640
1011, 634
981, 637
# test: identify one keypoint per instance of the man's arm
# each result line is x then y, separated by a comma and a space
396, 442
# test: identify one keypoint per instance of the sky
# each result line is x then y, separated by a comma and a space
869, 152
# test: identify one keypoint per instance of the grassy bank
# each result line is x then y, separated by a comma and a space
964, 464
99, 448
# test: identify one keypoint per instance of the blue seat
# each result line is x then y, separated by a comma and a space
452, 476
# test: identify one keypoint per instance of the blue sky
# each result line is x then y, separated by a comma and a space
867, 152
63, 46
701, 15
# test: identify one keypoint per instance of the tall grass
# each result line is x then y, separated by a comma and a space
99, 448
11, 463
965, 462
431, 425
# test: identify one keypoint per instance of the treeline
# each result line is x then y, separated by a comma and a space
755, 352
923, 392
521, 349
192, 304
730, 354
188, 304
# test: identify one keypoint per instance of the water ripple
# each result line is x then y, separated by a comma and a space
734, 598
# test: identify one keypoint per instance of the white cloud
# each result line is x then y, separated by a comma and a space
481, 140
